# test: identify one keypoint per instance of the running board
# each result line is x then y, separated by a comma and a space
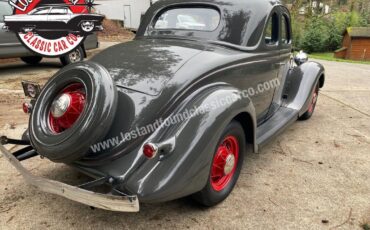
275, 125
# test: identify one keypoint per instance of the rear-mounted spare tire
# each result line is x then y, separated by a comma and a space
75, 110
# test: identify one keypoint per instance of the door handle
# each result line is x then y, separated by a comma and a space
281, 63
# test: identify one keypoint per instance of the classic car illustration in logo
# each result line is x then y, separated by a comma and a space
53, 28
54, 18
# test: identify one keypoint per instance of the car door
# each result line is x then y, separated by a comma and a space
265, 89
285, 52
10, 46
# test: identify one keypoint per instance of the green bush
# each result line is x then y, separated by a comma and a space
335, 37
314, 37
322, 34
297, 29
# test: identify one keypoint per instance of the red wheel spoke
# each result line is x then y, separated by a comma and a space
217, 175
313, 101
219, 165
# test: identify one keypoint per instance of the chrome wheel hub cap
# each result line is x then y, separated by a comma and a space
60, 105
87, 26
75, 56
229, 165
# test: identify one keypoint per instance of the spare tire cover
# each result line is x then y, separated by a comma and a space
94, 122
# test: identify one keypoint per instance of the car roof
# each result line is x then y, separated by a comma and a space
52, 6
42, 7
60, 7
242, 21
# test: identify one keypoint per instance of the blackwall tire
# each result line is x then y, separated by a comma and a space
208, 196
92, 125
76, 55
25, 136
32, 60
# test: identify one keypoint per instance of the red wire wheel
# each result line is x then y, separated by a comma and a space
67, 107
225, 163
75, 109
311, 107
315, 95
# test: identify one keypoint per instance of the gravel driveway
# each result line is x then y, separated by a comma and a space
314, 176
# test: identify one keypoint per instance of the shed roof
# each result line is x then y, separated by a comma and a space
358, 32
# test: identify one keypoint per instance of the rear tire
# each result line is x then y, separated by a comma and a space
311, 108
32, 60
93, 123
220, 184
76, 55
25, 136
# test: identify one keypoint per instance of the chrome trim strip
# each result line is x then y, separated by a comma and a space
10, 44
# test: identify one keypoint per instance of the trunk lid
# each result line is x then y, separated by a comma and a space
146, 65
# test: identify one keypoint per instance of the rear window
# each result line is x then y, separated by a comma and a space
57, 11
195, 18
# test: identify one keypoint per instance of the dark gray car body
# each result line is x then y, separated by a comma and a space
167, 72
163, 73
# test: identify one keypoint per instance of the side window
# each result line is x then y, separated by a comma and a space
58, 11
272, 30
285, 32
42, 12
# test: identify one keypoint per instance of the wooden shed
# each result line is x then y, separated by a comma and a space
356, 44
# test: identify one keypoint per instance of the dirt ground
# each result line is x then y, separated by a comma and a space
314, 176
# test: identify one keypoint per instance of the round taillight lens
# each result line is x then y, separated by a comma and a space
26, 107
150, 150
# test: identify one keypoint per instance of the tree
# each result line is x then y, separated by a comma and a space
315, 36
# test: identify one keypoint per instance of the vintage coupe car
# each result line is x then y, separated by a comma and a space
54, 18
171, 113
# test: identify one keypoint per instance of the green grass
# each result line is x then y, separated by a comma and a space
366, 226
330, 57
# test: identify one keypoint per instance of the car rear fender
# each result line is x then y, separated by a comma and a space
186, 147
300, 84
76, 20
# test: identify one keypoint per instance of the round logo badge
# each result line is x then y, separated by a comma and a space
53, 28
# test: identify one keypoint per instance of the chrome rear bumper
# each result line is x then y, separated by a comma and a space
98, 200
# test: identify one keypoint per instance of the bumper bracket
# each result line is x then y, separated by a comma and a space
97, 200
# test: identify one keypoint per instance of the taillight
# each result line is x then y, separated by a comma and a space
150, 150
27, 107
